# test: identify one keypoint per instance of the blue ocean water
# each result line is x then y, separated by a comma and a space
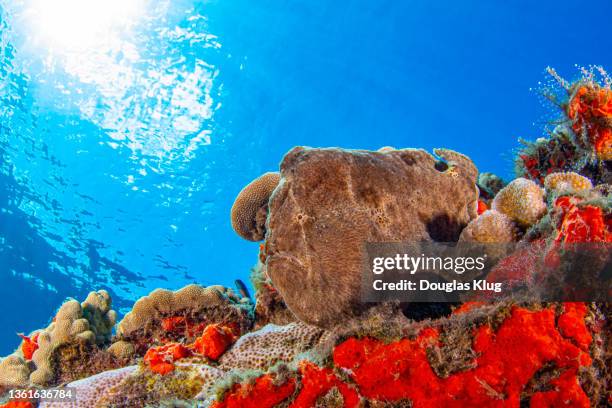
128, 127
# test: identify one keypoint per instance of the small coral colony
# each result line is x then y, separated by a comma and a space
305, 339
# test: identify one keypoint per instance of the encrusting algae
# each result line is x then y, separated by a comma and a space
308, 341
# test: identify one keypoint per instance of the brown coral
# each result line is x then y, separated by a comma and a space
331, 201
250, 209
522, 200
182, 315
490, 227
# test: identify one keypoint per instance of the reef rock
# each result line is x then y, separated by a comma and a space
330, 202
180, 315
481, 355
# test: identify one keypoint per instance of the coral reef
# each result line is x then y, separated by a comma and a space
250, 209
582, 141
17, 404
181, 316
214, 341
590, 112
522, 201
489, 185
262, 393
90, 391
567, 181
161, 359
490, 227
269, 305
513, 356
69, 348
122, 349
581, 223
262, 349
330, 201
77, 328
14, 373
310, 342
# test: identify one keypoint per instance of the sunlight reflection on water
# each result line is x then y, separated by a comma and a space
104, 107
122, 67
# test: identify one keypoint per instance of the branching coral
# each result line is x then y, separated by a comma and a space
250, 209
88, 322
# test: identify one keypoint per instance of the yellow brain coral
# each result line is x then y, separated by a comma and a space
522, 200
250, 209
567, 181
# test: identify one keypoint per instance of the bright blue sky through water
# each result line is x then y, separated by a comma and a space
128, 127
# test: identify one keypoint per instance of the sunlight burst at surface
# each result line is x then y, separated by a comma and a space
77, 24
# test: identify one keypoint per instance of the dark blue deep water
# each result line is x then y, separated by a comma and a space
127, 127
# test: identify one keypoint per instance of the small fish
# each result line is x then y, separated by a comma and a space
242, 289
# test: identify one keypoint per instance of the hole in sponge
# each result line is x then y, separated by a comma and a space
441, 166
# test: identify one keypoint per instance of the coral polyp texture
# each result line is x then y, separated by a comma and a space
567, 181
250, 210
55, 354
310, 342
522, 201
490, 227
165, 316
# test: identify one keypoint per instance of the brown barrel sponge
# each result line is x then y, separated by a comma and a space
250, 209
